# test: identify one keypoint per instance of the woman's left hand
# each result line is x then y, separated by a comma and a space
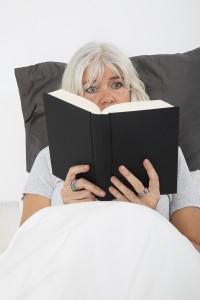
123, 193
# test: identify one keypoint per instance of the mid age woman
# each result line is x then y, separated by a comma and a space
139, 246
105, 76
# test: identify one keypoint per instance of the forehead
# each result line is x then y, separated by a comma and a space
107, 74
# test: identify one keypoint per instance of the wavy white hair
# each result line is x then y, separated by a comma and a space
96, 56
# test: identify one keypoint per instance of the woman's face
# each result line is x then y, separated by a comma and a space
111, 90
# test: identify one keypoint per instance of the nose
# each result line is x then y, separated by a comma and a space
106, 97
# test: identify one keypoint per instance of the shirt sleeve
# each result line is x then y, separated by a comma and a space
40, 180
187, 193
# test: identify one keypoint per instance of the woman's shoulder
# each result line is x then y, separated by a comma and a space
44, 165
43, 160
44, 153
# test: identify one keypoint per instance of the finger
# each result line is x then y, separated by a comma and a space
117, 194
79, 201
129, 194
153, 176
89, 186
83, 183
134, 181
73, 171
79, 195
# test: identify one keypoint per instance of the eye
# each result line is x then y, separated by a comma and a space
91, 90
117, 85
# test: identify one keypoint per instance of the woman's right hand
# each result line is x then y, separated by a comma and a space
87, 190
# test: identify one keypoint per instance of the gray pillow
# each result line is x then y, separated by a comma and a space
170, 77
32, 82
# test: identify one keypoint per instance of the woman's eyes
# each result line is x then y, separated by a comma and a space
92, 89
117, 85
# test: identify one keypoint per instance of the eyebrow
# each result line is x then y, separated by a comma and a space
111, 78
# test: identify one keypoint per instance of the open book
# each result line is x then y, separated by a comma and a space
121, 107
126, 133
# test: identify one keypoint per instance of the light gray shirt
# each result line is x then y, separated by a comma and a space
42, 182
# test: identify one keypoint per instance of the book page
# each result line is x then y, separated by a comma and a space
120, 107
76, 100
136, 105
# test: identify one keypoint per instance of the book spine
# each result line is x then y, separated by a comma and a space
102, 154
92, 138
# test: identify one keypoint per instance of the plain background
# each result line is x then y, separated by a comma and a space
34, 31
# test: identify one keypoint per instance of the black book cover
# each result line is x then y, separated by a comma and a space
106, 141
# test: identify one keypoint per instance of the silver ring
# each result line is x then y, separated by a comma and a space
143, 193
73, 186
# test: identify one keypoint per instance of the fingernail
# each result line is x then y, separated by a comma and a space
123, 168
102, 193
113, 179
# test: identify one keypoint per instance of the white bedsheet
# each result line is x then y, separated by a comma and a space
99, 251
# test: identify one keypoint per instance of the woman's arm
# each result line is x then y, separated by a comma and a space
187, 221
31, 204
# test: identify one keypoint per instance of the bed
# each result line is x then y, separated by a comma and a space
171, 77
10, 215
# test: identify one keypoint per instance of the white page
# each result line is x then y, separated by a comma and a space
136, 105
76, 100
120, 107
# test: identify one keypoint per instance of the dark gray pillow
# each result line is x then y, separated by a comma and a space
32, 82
170, 77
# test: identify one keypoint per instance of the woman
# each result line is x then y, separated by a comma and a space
122, 249
105, 76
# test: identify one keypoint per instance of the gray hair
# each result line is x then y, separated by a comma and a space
96, 56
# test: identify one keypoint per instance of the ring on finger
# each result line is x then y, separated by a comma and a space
73, 186
143, 193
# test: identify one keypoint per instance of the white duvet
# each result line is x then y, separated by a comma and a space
99, 251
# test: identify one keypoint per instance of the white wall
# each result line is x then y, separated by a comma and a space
32, 31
